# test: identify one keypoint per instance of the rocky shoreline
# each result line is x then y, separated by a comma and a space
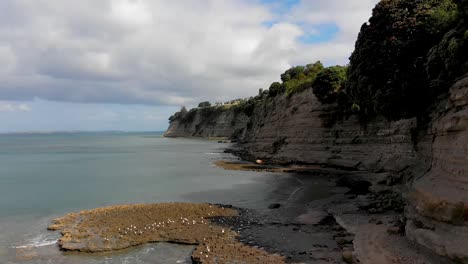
359, 220
123, 226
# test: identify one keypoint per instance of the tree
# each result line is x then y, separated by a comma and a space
179, 115
387, 73
313, 69
275, 89
204, 104
328, 83
449, 59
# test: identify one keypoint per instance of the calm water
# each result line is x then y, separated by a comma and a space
45, 176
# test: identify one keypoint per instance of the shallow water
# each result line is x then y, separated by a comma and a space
45, 176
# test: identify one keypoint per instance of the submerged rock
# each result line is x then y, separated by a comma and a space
274, 206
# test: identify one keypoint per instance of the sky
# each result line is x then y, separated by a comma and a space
129, 64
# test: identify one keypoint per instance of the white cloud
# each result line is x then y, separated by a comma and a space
8, 60
161, 52
347, 15
14, 107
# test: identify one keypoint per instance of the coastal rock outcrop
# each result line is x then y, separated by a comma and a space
300, 129
123, 226
208, 122
438, 200
429, 159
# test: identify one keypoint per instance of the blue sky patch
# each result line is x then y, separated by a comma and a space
318, 33
281, 6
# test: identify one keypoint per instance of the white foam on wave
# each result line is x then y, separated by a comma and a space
212, 153
41, 240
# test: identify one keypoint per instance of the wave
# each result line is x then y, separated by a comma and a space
39, 241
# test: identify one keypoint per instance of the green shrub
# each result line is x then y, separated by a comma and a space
313, 69
449, 59
178, 115
275, 89
328, 83
299, 78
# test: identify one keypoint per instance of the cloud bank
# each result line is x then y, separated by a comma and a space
165, 52
14, 107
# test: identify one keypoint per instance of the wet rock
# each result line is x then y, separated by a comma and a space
274, 206
358, 187
344, 240
394, 230
347, 256
123, 226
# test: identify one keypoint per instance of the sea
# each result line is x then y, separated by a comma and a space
46, 175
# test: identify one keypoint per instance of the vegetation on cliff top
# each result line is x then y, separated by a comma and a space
328, 83
408, 53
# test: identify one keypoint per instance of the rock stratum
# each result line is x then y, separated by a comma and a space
427, 158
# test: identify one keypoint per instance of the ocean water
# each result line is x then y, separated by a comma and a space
43, 176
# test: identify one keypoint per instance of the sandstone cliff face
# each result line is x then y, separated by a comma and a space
298, 129
433, 162
221, 124
438, 201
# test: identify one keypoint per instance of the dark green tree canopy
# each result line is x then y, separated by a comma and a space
329, 83
299, 78
275, 89
387, 73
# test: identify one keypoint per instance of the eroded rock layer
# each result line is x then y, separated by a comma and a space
438, 201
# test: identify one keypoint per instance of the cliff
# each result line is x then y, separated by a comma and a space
298, 129
432, 160
209, 122
438, 200
405, 67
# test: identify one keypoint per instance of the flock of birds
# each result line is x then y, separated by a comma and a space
132, 230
